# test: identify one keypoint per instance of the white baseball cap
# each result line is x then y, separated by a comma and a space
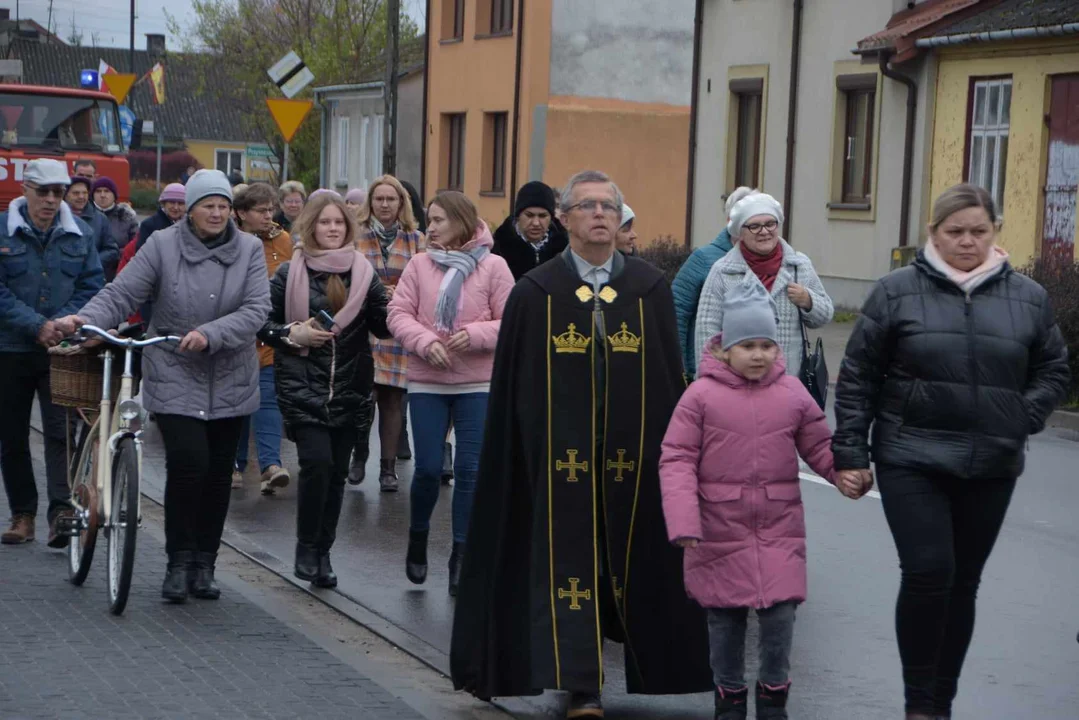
44, 171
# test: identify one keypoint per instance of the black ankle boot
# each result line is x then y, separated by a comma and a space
772, 701
326, 577
174, 589
306, 567
732, 704
447, 464
455, 567
204, 586
416, 559
387, 476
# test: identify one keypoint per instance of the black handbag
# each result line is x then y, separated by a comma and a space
814, 370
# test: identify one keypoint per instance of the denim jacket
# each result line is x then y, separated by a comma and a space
42, 280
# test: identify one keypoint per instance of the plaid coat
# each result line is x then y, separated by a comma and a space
391, 360
732, 268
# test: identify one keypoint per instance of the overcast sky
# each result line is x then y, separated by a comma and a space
109, 20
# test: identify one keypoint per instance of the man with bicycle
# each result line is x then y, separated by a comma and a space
49, 268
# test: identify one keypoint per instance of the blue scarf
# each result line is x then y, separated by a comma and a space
458, 264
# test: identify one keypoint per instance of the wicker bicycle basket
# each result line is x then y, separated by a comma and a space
76, 379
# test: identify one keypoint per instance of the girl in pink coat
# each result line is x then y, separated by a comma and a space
731, 497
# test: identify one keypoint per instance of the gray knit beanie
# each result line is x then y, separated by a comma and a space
749, 313
206, 183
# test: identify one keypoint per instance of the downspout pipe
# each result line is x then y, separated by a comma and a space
695, 94
908, 145
426, 125
792, 117
996, 35
516, 103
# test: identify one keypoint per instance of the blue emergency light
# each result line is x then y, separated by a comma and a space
88, 79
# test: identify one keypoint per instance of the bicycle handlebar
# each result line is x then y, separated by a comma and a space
125, 342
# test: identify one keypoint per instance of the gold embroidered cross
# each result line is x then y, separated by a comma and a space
621, 465
573, 466
574, 594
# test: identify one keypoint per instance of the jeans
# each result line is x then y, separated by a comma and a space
727, 641
944, 529
23, 375
198, 479
431, 416
267, 422
323, 454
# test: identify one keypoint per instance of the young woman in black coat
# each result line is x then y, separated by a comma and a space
325, 301
954, 362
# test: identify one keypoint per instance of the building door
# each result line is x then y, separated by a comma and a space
1062, 174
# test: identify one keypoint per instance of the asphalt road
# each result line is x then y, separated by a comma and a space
1024, 661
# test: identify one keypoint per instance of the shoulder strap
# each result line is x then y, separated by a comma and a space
801, 323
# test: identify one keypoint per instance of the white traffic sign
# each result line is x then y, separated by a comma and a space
290, 74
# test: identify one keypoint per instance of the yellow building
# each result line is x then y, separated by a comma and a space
570, 86
1007, 118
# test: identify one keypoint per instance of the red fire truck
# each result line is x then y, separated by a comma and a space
67, 124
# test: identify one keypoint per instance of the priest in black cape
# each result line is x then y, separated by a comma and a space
567, 543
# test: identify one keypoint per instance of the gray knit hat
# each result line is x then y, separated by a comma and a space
206, 183
749, 313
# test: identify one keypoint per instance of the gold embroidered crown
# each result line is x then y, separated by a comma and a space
624, 341
571, 341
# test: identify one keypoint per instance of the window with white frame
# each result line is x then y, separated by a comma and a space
342, 149
987, 143
228, 160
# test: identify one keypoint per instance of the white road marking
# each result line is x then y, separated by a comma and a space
821, 481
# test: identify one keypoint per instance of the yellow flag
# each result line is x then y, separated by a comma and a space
157, 81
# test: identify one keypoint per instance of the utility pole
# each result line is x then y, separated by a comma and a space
131, 61
393, 59
48, 23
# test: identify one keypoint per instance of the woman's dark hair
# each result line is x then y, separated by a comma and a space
961, 197
417, 206
258, 193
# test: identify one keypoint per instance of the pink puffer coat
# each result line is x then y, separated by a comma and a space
729, 475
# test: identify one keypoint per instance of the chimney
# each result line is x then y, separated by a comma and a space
155, 45
5, 13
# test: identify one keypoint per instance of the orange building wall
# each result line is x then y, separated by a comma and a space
643, 147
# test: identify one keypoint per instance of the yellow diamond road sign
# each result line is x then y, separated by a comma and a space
288, 114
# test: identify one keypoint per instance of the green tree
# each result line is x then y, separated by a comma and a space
341, 41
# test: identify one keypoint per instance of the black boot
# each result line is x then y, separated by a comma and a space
447, 463
732, 704
204, 587
326, 577
174, 589
357, 467
772, 701
404, 452
416, 559
455, 566
306, 567
387, 478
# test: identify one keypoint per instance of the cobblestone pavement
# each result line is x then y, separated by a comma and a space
66, 657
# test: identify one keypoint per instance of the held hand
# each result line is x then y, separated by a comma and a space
854, 483
68, 325
437, 356
50, 334
96, 340
686, 542
194, 341
390, 289
459, 342
309, 334
800, 296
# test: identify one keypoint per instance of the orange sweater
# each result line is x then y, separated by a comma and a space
278, 249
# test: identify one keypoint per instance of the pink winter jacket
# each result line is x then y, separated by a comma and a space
729, 477
483, 297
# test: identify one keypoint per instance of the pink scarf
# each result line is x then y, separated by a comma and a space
970, 280
342, 260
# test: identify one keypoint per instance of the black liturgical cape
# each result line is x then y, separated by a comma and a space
567, 542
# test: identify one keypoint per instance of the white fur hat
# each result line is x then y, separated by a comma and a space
751, 206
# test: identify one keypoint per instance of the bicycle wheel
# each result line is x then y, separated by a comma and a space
84, 496
122, 526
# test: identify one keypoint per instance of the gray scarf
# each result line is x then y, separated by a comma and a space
458, 265
386, 235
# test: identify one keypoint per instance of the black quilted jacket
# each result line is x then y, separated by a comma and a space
330, 385
949, 383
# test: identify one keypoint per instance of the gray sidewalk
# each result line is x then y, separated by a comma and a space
67, 657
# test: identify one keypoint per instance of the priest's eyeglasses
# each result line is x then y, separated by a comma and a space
590, 206
758, 228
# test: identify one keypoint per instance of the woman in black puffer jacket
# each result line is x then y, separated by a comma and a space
955, 362
323, 376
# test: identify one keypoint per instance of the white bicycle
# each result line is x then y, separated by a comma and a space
105, 476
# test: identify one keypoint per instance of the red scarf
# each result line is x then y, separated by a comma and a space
765, 267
